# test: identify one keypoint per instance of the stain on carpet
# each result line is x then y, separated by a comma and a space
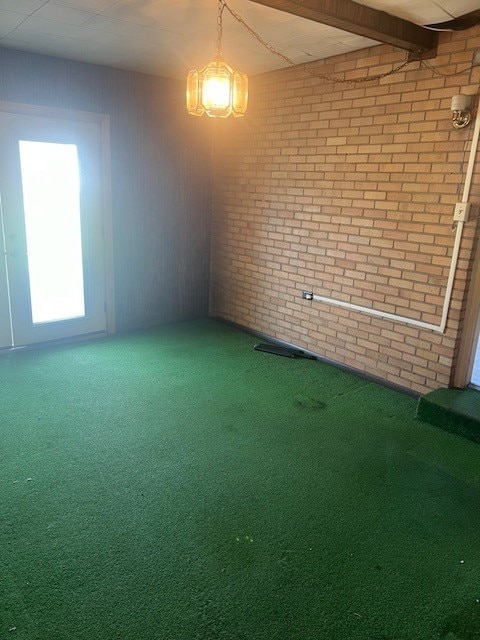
309, 402
464, 624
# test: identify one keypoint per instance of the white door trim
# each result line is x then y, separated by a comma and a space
470, 330
6, 339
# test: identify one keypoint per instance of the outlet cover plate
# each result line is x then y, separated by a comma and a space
461, 212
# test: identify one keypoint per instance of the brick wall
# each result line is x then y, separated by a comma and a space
348, 190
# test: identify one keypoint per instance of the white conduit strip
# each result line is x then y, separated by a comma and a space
440, 328
374, 312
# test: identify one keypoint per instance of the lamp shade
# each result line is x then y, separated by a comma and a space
217, 90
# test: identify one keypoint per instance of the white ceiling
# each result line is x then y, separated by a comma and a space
169, 37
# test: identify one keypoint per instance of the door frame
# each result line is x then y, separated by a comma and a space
471, 328
6, 338
103, 120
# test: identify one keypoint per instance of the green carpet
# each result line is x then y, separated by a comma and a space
175, 484
455, 410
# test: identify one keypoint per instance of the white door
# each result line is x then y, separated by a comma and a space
52, 279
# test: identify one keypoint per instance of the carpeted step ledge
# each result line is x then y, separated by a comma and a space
454, 410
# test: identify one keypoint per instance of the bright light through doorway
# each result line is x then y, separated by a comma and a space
476, 367
51, 200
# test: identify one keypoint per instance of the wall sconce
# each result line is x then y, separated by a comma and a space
460, 107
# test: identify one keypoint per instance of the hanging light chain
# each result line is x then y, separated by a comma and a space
219, 47
254, 34
307, 69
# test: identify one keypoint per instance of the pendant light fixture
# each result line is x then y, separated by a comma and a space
217, 89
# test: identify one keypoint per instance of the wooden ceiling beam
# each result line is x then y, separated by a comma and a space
361, 20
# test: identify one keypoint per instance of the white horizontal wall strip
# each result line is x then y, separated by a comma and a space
374, 312
440, 328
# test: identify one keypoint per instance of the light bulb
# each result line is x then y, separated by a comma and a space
216, 92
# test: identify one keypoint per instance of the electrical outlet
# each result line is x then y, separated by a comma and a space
461, 212
307, 295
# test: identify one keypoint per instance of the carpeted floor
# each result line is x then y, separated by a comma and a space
175, 484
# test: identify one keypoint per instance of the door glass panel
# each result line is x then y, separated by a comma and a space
51, 201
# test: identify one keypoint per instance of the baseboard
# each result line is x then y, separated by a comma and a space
357, 372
